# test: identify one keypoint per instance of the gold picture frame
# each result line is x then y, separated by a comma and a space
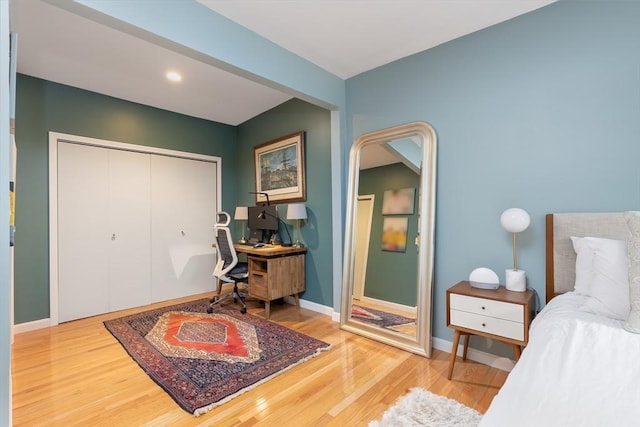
279, 170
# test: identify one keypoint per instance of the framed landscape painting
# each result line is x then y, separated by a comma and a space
279, 170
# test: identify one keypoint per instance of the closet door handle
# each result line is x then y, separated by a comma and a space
183, 233
113, 236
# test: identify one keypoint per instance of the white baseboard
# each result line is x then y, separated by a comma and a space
313, 306
31, 326
498, 362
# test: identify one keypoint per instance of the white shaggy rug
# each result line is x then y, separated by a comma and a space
422, 408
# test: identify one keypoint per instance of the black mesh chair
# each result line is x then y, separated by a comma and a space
227, 269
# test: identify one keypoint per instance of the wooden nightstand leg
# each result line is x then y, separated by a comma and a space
267, 306
297, 297
454, 350
467, 337
518, 351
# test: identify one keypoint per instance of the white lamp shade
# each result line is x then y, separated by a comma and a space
515, 220
297, 211
242, 213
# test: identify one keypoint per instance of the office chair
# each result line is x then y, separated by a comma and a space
227, 269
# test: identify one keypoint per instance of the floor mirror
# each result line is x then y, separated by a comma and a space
388, 264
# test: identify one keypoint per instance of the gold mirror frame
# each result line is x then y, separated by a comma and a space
421, 342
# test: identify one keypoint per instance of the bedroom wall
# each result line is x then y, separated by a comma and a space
43, 106
293, 116
540, 112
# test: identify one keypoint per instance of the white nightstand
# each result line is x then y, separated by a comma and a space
499, 314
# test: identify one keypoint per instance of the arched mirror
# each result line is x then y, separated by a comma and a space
388, 265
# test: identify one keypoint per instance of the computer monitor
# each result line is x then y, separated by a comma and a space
263, 222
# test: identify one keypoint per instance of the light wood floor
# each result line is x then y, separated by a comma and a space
78, 374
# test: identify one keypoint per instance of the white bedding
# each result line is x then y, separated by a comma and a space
580, 368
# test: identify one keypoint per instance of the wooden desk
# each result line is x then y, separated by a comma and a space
274, 272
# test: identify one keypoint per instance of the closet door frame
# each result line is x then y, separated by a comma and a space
57, 137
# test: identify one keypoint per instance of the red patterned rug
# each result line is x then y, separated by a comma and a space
203, 360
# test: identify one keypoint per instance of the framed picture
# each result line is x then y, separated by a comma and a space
279, 170
399, 201
394, 234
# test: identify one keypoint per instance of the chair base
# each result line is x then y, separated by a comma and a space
236, 295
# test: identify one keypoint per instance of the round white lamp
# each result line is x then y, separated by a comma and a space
515, 220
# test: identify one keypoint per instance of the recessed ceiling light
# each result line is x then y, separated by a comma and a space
174, 76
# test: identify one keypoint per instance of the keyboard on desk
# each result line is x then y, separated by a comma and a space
255, 245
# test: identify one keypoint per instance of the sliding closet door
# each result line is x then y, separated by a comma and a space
183, 202
130, 229
83, 240
103, 230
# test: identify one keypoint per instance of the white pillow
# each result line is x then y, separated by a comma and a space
584, 264
602, 271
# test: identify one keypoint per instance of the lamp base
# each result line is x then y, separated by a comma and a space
297, 244
515, 280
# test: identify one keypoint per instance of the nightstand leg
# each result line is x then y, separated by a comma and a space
518, 351
467, 337
454, 350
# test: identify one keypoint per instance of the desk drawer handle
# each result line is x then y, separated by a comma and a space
484, 325
483, 307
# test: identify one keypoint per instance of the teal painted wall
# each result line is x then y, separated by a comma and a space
391, 276
44, 106
541, 112
290, 117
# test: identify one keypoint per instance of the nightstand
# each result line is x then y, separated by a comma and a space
498, 314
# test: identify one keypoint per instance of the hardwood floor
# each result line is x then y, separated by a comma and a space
77, 374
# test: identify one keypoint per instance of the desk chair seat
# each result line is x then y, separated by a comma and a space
227, 269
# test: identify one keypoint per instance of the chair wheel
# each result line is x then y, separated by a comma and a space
243, 310
209, 310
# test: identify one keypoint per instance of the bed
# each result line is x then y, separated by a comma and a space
581, 366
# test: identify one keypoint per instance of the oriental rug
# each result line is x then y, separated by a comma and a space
420, 407
379, 318
203, 360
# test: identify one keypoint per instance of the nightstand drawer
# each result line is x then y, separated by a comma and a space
486, 324
487, 307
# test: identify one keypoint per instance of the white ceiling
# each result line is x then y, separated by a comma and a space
345, 37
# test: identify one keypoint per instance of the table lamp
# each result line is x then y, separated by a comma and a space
297, 211
242, 214
515, 220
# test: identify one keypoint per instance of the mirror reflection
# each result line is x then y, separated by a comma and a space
387, 283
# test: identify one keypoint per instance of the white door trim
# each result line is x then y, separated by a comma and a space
54, 138
364, 219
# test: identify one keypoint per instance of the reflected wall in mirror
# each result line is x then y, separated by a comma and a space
388, 261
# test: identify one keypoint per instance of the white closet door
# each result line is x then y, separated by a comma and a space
130, 228
83, 239
183, 206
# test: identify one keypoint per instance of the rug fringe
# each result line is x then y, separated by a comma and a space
205, 409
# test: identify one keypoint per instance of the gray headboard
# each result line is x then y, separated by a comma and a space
561, 258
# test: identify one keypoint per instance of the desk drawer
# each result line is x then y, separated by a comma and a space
486, 307
258, 286
486, 324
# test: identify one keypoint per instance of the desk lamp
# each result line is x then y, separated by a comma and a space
242, 214
515, 220
297, 211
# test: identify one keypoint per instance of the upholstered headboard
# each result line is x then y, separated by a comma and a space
561, 257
